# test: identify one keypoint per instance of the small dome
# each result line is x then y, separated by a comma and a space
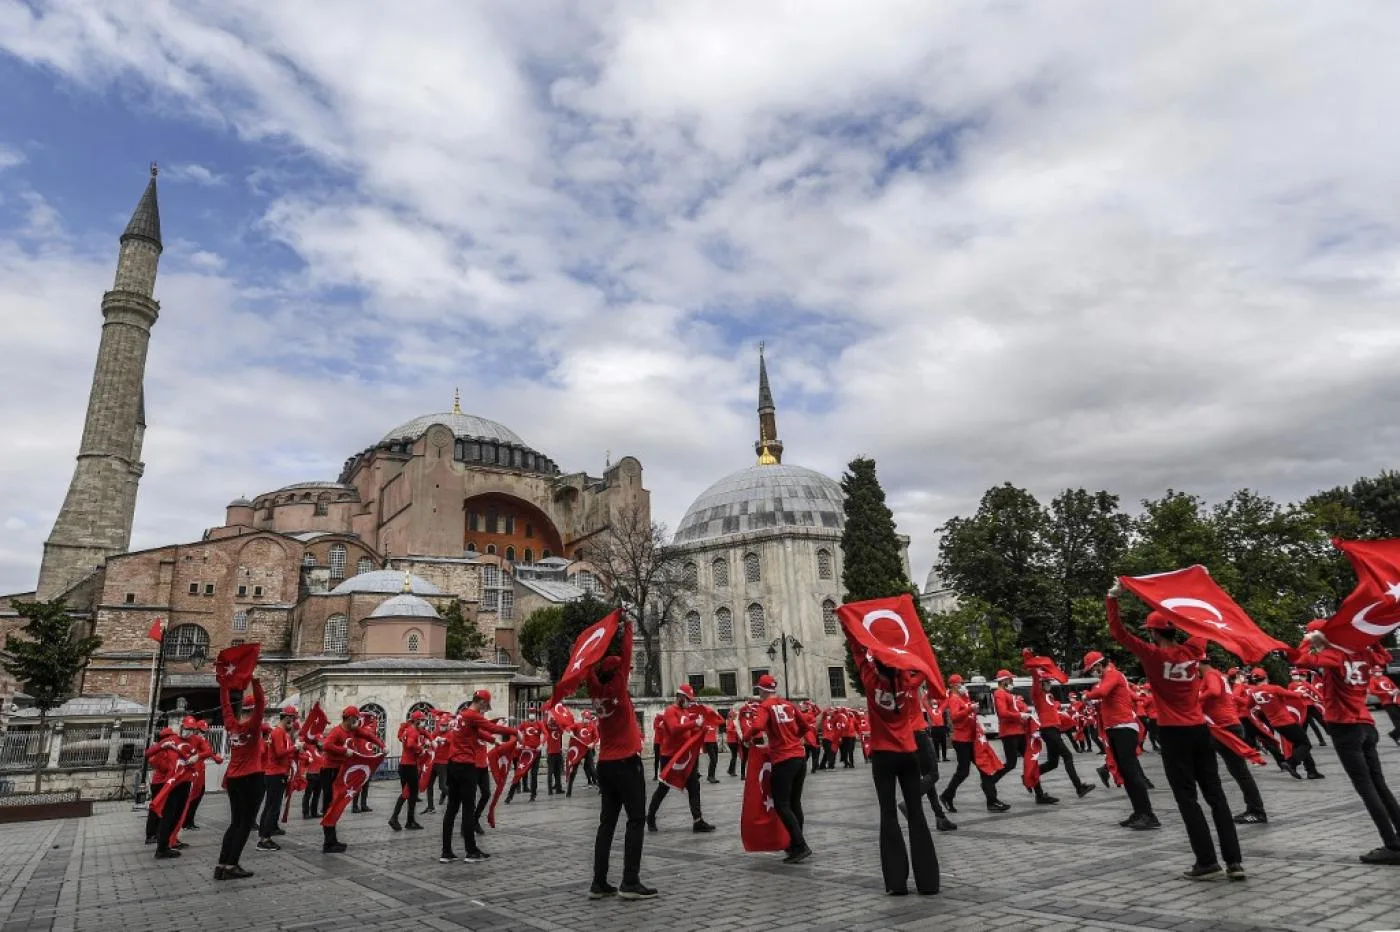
240, 502
385, 581
763, 498
404, 606
317, 484
464, 426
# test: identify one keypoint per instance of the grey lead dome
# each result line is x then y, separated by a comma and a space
464, 426
404, 606
762, 498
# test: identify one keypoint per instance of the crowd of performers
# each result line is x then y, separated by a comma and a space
1192, 713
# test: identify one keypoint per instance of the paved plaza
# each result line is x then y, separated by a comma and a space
1068, 867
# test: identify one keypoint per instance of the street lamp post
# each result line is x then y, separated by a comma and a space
780, 645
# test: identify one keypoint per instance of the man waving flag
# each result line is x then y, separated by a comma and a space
1196, 605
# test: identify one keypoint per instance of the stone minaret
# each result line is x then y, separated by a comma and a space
769, 448
95, 521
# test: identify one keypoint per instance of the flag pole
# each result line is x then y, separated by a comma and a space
157, 668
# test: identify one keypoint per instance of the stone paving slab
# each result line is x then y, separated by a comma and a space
1068, 867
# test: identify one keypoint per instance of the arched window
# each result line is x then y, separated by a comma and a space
364, 565
491, 549
829, 623
586, 581
337, 640
471, 547
338, 561
547, 554
724, 626
240, 621
692, 627
823, 564
427, 708
758, 628
529, 555
690, 575
719, 571
308, 559
415, 641
373, 710
751, 571
180, 641
510, 554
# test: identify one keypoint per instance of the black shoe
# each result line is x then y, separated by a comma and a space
413, 827
601, 891
947, 802
474, 857
355, 809
1292, 771
1251, 818
1150, 784
701, 826
1084, 789
447, 857
997, 805
429, 810
1317, 775
897, 892
1235, 871
1103, 776
267, 844
236, 873
798, 856
190, 828
151, 840
1045, 799
635, 891
651, 823
394, 824
166, 854
1207, 872
479, 829
220, 874
278, 831
942, 824
179, 846
1381, 856
366, 809
334, 848
711, 780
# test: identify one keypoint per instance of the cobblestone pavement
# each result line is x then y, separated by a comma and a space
1067, 867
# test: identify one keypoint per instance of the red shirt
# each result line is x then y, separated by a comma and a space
783, 725
1115, 698
163, 755
244, 737
1383, 688
1172, 671
894, 709
465, 740
531, 733
1046, 708
679, 725
1308, 691
411, 737
1343, 685
619, 735
963, 712
1011, 710
279, 754
553, 738
731, 727
1280, 706
658, 730
1217, 702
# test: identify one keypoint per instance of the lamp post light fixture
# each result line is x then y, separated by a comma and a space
781, 644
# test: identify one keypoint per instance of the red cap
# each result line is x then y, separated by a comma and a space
189, 721
1004, 675
1232, 671
166, 733
350, 711
686, 690
766, 683
482, 695
1158, 621
1092, 659
289, 710
955, 680
417, 716
1258, 673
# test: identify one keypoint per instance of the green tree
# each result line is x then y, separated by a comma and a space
465, 641
969, 641
536, 633
574, 618
1087, 536
872, 564
46, 658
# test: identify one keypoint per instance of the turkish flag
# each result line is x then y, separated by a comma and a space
365, 759
1373, 609
234, 666
678, 769
890, 631
157, 631
983, 754
562, 715
588, 649
315, 724
1045, 665
526, 761
1030, 761
1199, 607
498, 761
426, 756
1233, 744
759, 825
1285, 747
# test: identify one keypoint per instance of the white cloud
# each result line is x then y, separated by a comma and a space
1056, 245
193, 173
10, 157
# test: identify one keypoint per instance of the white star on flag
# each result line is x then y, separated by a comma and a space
1393, 590
768, 803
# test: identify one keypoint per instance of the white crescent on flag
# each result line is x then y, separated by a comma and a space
1359, 622
581, 654
887, 615
1183, 602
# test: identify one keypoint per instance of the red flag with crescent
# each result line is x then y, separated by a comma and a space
498, 761
584, 736
185, 765
760, 829
1030, 761
562, 716
1285, 747
1045, 666
1234, 744
890, 631
1196, 605
364, 760
588, 649
1372, 611
315, 725
526, 761
983, 754
234, 666
682, 764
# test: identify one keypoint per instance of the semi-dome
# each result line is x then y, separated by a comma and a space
763, 498
385, 581
404, 606
464, 426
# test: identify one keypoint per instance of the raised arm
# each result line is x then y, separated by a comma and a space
1120, 632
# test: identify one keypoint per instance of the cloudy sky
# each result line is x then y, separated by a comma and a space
1119, 246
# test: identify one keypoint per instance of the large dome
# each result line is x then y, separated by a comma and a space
465, 426
762, 498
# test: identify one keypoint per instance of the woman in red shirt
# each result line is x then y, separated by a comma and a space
414, 741
782, 728
895, 714
243, 779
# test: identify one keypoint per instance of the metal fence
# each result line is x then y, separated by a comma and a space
20, 750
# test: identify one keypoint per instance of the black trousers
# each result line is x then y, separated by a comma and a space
1188, 756
311, 797
1123, 743
928, 770
556, 773
170, 815
439, 781
1297, 735
940, 741
828, 754
328, 775
244, 795
1239, 770
274, 786
530, 782
897, 773
788, 777
814, 754
408, 780
1013, 748
590, 772
1256, 739
692, 790
848, 752
152, 820
1393, 713
461, 797
1356, 749
962, 750
1056, 751
483, 787
194, 805
656, 762
733, 756
1316, 725
712, 752
622, 785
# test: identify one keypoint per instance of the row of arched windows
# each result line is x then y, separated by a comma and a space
757, 622
753, 570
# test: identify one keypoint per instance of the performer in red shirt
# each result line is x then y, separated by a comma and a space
554, 752
440, 727
1300, 682
466, 755
731, 738
531, 736
894, 717
1218, 705
850, 732
780, 726
962, 711
1354, 737
931, 710
1385, 691
711, 748
244, 778
1188, 754
165, 756
1013, 723
339, 753
621, 778
312, 761
1047, 712
1287, 714
197, 727
681, 720
1114, 700
658, 741
277, 764
416, 743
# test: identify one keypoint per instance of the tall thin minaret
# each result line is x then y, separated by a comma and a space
769, 448
95, 521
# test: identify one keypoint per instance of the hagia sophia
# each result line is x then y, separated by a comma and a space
345, 582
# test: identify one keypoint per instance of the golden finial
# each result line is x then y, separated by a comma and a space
766, 458
456, 401
407, 582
